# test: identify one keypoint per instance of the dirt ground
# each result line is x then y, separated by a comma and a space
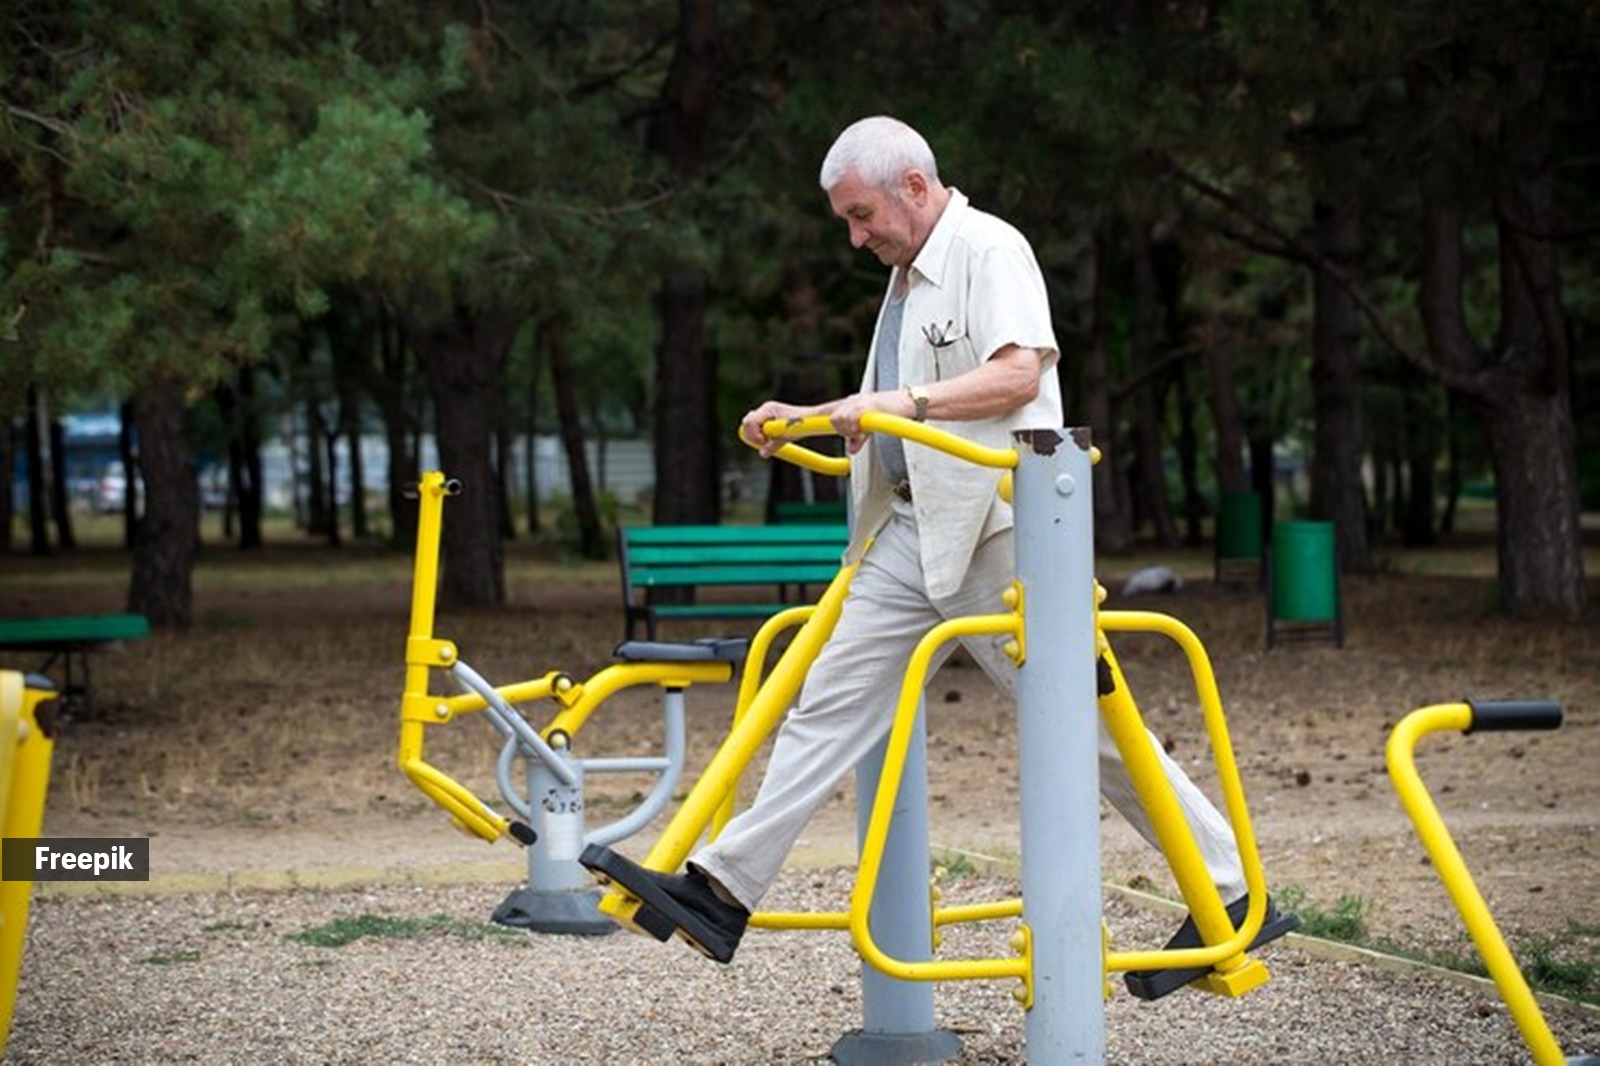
262, 739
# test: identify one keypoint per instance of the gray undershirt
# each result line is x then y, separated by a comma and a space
890, 450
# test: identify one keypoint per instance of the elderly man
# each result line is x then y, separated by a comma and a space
964, 340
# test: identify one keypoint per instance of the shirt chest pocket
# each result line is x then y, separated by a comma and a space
947, 347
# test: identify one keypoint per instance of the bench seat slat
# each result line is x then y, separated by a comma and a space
696, 555
71, 630
679, 576
736, 535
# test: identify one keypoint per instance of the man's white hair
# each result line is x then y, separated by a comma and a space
879, 150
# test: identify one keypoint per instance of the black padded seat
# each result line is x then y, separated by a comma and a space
706, 649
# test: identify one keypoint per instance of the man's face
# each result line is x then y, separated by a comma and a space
881, 221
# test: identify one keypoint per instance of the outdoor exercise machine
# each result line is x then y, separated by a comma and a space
548, 804
1477, 716
1061, 952
1063, 691
27, 731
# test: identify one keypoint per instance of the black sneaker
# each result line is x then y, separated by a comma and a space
673, 903
1153, 984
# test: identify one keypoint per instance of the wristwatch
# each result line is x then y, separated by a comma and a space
919, 399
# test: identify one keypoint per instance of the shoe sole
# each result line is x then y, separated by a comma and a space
1153, 984
659, 915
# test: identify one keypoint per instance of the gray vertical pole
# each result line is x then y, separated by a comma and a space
560, 896
1058, 737
897, 1016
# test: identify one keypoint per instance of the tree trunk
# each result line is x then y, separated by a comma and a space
1422, 445
1146, 332
132, 477
530, 474
330, 444
60, 498
8, 458
165, 544
383, 338
463, 355
350, 412
503, 472
591, 541
688, 472
1337, 492
1522, 390
1227, 428
250, 488
1113, 524
38, 475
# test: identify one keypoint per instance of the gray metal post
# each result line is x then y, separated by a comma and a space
559, 897
1058, 737
897, 1016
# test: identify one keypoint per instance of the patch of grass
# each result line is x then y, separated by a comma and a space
343, 931
1345, 923
1546, 963
171, 959
227, 927
953, 868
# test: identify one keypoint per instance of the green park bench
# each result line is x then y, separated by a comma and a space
69, 638
781, 560
809, 512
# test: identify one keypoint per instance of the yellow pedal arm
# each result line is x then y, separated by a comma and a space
755, 662
1225, 949
883, 810
465, 809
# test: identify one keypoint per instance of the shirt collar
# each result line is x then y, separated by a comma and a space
930, 261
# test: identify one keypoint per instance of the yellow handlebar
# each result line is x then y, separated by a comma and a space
876, 422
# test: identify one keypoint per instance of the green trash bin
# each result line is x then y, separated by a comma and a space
1305, 579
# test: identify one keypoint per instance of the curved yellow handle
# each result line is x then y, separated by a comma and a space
877, 422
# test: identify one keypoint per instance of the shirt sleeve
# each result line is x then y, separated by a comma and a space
1007, 304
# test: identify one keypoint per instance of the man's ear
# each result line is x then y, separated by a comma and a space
914, 187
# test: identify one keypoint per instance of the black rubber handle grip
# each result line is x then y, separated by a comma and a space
1491, 716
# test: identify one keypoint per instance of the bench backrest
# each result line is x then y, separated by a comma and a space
816, 512
659, 556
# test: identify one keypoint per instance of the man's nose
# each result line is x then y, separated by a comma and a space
858, 235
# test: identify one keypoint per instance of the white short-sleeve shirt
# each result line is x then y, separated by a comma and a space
974, 288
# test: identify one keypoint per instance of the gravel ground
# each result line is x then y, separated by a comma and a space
221, 977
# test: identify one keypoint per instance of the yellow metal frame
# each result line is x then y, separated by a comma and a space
1233, 973
26, 746
1400, 756
575, 700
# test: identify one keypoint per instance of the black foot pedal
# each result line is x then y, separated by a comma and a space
1153, 984
660, 915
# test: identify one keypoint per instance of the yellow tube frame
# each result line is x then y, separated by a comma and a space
424, 653
877, 836
1400, 754
877, 422
24, 784
1234, 972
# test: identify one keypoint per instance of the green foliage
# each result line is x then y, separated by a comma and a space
1345, 923
341, 932
1565, 967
